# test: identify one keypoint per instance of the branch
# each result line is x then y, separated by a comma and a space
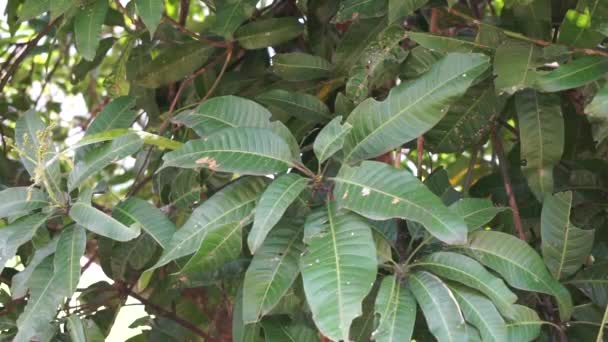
170, 315
163, 127
500, 153
520, 36
194, 35
28, 48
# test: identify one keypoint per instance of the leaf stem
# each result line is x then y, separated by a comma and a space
520, 36
500, 153
600, 333
417, 249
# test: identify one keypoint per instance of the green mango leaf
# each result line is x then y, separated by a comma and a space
70, 248
272, 271
359, 35
360, 9
278, 330
467, 271
338, 270
377, 63
410, 109
33, 8
577, 73
111, 134
220, 245
398, 9
252, 151
234, 203
53, 279
396, 308
100, 223
541, 129
275, 200
446, 44
47, 292
330, 139
379, 191
230, 15
268, 32
223, 112
593, 282
148, 217
97, 159
21, 200
526, 325
298, 66
439, 306
299, 105
242, 332
173, 64
597, 111
20, 281
59, 7
481, 312
87, 28
476, 211
518, 264
514, 66
565, 247
468, 121
151, 13
18, 233
420, 60
118, 113
76, 329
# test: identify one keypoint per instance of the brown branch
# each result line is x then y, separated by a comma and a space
170, 315
419, 155
500, 153
520, 36
184, 7
163, 127
28, 48
469, 176
434, 24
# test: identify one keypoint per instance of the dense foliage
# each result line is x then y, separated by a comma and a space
307, 170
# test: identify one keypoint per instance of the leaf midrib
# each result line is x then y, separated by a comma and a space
408, 108
444, 224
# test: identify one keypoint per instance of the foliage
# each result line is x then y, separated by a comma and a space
306, 170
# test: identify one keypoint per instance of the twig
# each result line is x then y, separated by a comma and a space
510, 128
194, 35
28, 48
170, 315
419, 155
51, 73
520, 36
163, 127
500, 153
184, 7
600, 334
219, 76
469, 176
124, 12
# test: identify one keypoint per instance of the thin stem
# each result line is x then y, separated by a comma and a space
600, 334
422, 244
469, 176
170, 315
420, 155
519, 36
194, 35
28, 48
500, 154
304, 170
